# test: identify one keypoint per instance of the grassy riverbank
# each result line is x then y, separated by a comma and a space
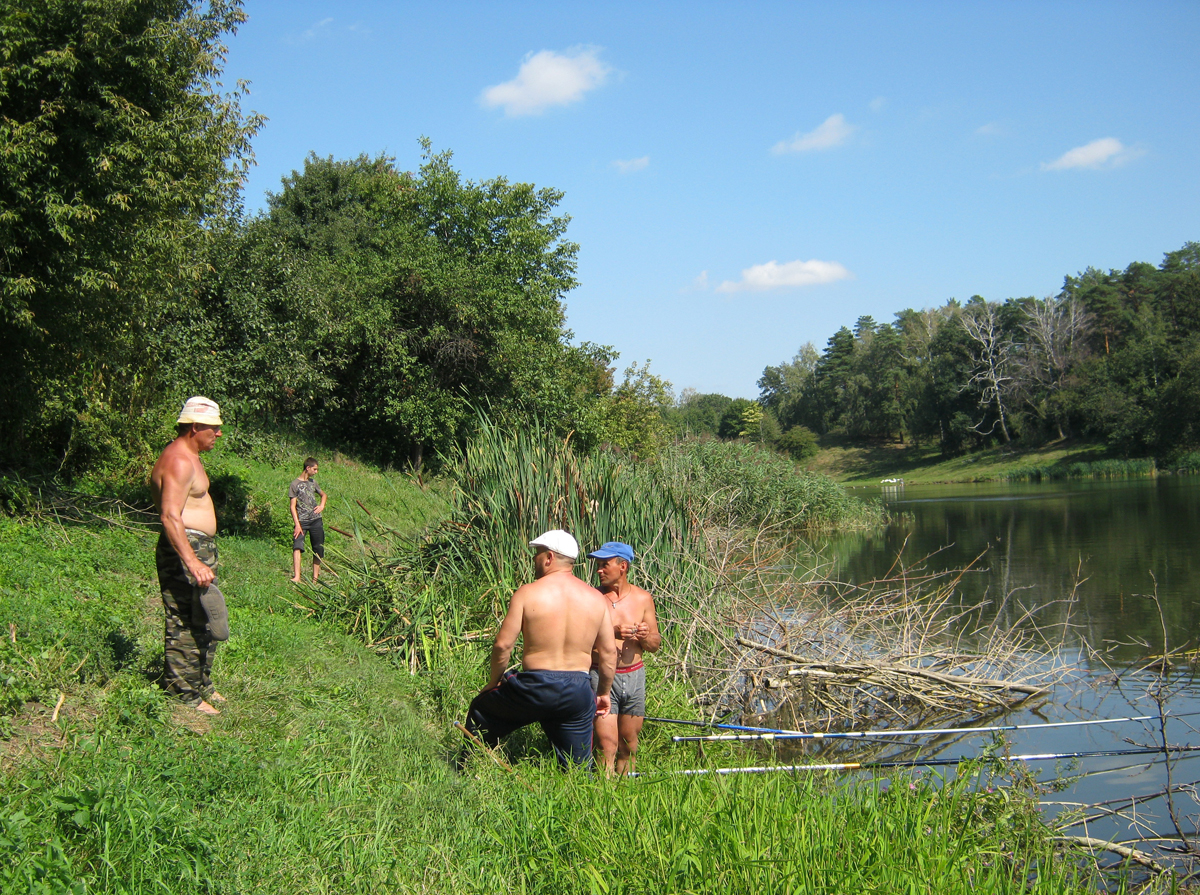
854, 463
331, 768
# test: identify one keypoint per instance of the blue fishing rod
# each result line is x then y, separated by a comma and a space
930, 762
767, 734
715, 725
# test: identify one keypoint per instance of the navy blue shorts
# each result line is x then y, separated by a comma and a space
561, 701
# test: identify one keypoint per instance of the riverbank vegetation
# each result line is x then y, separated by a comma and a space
331, 766
854, 463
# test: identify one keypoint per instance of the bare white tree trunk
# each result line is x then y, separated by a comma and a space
992, 352
1054, 331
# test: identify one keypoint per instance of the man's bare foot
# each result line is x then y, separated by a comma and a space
217, 697
294, 580
207, 709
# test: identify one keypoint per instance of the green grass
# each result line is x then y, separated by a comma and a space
331, 767
855, 464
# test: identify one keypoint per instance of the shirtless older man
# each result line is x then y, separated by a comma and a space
564, 622
635, 631
186, 557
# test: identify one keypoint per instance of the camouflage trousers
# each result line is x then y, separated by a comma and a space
195, 619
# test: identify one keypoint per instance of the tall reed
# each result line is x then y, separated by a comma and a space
512, 484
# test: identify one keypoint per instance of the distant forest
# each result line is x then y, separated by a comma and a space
1113, 357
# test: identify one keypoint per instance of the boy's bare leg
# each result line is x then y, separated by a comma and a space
296, 566
316, 568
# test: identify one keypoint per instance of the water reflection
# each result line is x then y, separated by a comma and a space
1120, 542
1093, 556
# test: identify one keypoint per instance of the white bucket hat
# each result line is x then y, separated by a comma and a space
200, 410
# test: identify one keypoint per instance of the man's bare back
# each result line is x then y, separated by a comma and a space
562, 622
561, 616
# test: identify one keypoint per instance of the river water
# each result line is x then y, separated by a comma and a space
1094, 556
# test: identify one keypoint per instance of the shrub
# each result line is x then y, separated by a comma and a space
799, 442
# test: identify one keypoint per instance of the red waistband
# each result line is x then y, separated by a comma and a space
629, 668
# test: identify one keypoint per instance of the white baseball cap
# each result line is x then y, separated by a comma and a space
559, 541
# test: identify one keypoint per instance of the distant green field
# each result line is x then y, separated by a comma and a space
863, 464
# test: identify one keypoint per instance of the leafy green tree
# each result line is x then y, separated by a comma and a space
633, 413
832, 378
732, 422
799, 443
377, 306
788, 389
118, 154
697, 414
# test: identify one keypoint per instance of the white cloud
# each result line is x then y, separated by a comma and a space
631, 165
991, 129
319, 28
1104, 153
699, 283
548, 79
834, 131
790, 275
878, 103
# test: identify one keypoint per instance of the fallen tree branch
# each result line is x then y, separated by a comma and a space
1124, 851
866, 668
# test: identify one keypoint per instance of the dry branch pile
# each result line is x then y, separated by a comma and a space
803, 652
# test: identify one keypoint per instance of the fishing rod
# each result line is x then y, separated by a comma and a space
721, 726
928, 731
933, 762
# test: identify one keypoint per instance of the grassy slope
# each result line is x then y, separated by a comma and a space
330, 770
852, 463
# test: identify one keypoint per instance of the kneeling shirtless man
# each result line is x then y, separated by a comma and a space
564, 623
635, 631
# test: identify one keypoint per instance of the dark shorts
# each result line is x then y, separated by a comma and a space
316, 533
562, 702
628, 690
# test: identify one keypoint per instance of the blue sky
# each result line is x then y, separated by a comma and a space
743, 178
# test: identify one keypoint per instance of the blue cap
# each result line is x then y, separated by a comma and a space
611, 549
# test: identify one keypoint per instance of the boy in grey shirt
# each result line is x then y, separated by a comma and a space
306, 517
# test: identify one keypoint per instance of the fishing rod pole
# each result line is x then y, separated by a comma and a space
928, 731
721, 726
932, 762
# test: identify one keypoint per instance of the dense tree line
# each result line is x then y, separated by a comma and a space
118, 152
367, 306
1114, 356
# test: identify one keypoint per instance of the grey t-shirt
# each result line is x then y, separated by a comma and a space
306, 498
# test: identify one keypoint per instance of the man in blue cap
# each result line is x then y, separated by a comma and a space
635, 629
